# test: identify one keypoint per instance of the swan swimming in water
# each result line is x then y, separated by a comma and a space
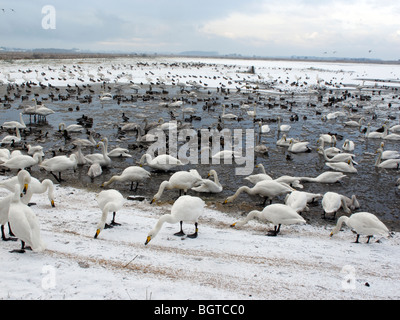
363, 223
185, 209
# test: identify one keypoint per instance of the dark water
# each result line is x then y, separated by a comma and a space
375, 189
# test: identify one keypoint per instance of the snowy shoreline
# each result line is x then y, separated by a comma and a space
223, 263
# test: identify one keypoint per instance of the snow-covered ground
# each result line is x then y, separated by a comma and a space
303, 262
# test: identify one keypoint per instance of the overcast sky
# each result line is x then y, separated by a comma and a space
348, 28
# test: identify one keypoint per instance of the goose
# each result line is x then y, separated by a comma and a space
228, 116
182, 180
15, 124
389, 154
277, 214
24, 224
340, 157
297, 200
348, 145
363, 223
185, 209
374, 134
132, 174
330, 152
259, 176
325, 177
298, 147
387, 164
116, 152
283, 127
70, 128
101, 158
108, 201
9, 139
59, 164
162, 162
209, 186
353, 123
22, 161
268, 189
346, 167
332, 202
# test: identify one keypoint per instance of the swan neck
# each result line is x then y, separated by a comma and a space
249, 217
341, 220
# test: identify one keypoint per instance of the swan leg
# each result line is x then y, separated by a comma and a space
113, 223
369, 237
194, 235
3, 236
180, 233
274, 233
358, 236
57, 178
22, 250
10, 231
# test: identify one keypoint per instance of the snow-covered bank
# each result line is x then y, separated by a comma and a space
303, 262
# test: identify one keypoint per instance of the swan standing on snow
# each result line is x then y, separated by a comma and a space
363, 223
59, 164
109, 201
185, 209
132, 174
268, 189
182, 180
277, 214
332, 202
209, 186
24, 224
162, 162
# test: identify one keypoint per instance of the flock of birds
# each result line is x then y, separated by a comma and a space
24, 225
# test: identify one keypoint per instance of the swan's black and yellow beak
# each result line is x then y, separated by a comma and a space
233, 225
147, 240
225, 202
152, 201
331, 234
97, 233
25, 188
52, 203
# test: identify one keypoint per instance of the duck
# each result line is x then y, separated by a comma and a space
101, 158
132, 174
362, 223
22, 161
332, 202
346, 167
283, 127
185, 209
268, 189
15, 124
182, 180
24, 224
298, 147
387, 164
277, 214
59, 164
163, 162
108, 201
209, 186
325, 177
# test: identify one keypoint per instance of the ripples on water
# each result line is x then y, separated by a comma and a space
375, 189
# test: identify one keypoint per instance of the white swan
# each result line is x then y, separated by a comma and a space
328, 138
37, 187
297, 200
33, 149
342, 166
253, 113
389, 154
24, 224
185, 209
23, 178
277, 214
59, 164
387, 164
283, 127
363, 223
332, 202
392, 136
132, 174
264, 128
298, 147
101, 158
116, 152
182, 180
95, 170
22, 161
9, 139
229, 116
348, 145
353, 123
325, 177
15, 124
109, 201
4, 209
340, 157
330, 151
70, 128
209, 186
254, 178
268, 189
374, 134
162, 162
